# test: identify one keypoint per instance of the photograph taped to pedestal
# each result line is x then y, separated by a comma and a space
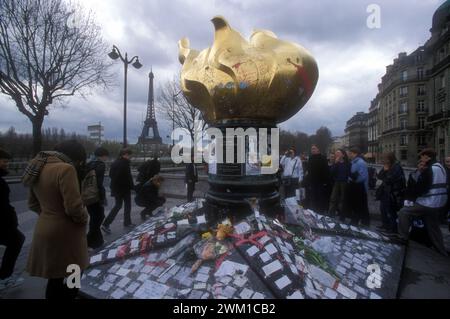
252, 160
212, 158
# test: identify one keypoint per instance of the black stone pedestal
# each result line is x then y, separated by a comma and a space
232, 184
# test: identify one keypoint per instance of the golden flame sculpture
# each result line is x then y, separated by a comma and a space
264, 78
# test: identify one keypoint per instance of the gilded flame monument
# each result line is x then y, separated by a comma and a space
245, 84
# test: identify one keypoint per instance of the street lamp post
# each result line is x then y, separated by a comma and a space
115, 54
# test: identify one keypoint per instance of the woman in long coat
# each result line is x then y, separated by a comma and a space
59, 238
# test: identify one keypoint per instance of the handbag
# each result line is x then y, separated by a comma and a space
287, 180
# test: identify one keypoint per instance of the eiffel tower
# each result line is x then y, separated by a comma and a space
146, 141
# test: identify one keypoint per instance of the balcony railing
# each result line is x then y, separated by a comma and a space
439, 65
422, 144
410, 79
438, 116
421, 110
407, 128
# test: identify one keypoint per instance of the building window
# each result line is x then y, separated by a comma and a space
420, 106
421, 122
420, 73
404, 75
403, 140
441, 106
421, 140
403, 155
421, 90
403, 124
442, 82
403, 91
419, 57
403, 108
441, 54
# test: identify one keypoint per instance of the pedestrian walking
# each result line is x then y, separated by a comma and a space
121, 187
190, 179
391, 192
59, 238
148, 196
431, 199
97, 200
317, 180
340, 173
292, 173
10, 235
357, 190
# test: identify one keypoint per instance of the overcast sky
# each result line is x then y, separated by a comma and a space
351, 57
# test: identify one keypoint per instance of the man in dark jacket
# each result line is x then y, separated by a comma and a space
431, 200
391, 192
97, 210
10, 236
148, 196
121, 186
190, 178
148, 169
317, 180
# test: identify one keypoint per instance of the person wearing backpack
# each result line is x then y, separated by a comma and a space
431, 199
147, 170
148, 196
96, 203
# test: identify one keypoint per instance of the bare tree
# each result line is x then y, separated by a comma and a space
49, 49
323, 139
175, 108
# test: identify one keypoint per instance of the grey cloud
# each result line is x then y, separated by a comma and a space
334, 31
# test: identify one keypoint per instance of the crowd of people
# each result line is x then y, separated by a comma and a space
338, 186
67, 192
